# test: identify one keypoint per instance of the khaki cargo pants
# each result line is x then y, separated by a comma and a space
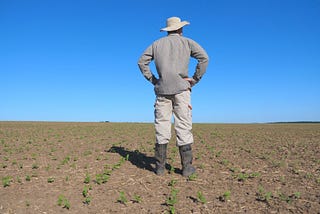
180, 106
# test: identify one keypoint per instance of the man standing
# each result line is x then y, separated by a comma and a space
171, 55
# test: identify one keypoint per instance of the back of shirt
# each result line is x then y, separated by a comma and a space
171, 55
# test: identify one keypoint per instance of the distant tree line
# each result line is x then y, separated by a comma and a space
299, 122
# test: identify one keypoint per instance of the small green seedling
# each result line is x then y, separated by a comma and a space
35, 166
6, 181
19, 179
137, 199
172, 199
192, 177
263, 195
85, 191
201, 197
65, 160
102, 178
87, 200
297, 195
122, 198
50, 180
226, 196
87, 179
172, 182
63, 201
171, 169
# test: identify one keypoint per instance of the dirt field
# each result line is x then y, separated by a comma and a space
108, 168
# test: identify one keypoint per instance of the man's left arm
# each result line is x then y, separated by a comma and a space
202, 57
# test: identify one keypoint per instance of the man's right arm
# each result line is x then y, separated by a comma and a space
143, 64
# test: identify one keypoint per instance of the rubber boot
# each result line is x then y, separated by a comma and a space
161, 156
186, 160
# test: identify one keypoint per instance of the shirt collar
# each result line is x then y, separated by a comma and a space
173, 34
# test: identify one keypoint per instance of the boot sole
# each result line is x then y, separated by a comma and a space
188, 172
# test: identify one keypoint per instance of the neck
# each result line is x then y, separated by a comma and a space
179, 31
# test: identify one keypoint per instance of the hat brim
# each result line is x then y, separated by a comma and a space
175, 27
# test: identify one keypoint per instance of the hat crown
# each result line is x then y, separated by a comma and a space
173, 21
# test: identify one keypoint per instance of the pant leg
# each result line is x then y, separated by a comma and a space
183, 118
163, 115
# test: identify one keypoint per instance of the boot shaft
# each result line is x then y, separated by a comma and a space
186, 154
161, 152
160, 156
186, 160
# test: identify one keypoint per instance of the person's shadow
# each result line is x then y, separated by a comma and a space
139, 159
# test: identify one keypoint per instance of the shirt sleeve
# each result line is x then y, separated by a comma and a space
202, 57
143, 64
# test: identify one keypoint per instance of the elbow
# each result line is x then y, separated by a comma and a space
206, 58
140, 64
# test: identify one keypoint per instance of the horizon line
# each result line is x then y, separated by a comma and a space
107, 121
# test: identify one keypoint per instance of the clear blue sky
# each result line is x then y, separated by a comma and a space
66, 60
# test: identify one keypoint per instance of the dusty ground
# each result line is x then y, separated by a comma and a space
108, 168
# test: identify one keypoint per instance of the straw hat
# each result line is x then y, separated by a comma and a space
174, 23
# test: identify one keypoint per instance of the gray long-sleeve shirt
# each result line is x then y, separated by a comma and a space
171, 55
